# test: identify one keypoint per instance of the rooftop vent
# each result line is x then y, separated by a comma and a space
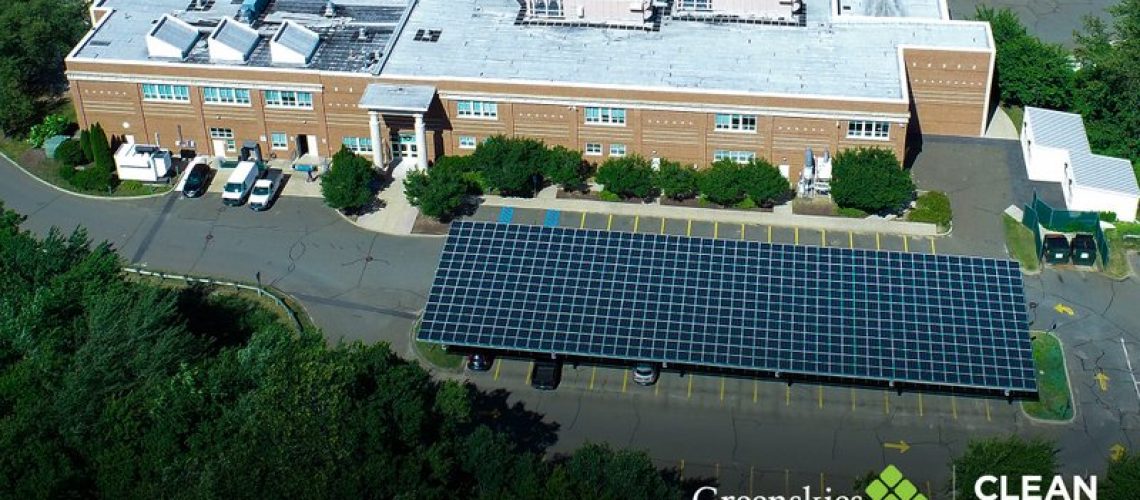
251, 9
428, 35
170, 38
330, 9
232, 41
293, 44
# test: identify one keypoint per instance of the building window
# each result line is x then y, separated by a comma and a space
165, 92
466, 142
222, 95
736, 123
478, 109
593, 149
278, 140
868, 130
358, 144
617, 149
289, 99
547, 8
736, 156
605, 116
225, 134
694, 4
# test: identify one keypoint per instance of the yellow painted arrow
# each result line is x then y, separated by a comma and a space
901, 446
1064, 309
1102, 381
1117, 452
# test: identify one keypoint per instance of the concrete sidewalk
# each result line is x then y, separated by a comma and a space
778, 218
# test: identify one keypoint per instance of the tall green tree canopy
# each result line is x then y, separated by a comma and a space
512, 166
35, 36
871, 180
1108, 83
347, 185
1030, 72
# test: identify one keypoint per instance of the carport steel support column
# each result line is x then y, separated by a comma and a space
421, 142
374, 131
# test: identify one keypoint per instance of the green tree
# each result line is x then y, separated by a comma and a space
628, 176
35, 36
763, 182
511, 166
69, 153
347, 185
599, 471
85, 145
1107, 92
565, 167
871, 180
442, 190
1029, 72
723, 183
1122, 480
1012, 456
677, 181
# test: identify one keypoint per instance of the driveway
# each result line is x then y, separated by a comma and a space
1052, 20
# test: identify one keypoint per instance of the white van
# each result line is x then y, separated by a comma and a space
240, 183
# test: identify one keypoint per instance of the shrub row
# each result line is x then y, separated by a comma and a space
725, 182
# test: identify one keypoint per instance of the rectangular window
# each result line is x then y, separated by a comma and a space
226, 134
605, 116
593, 149
278, 140
694, 4
289, 99
466, 142
868, 130
358, 144
165, 92
223, 95
736, 123
546, 8
617, 149
736, 156
478, 109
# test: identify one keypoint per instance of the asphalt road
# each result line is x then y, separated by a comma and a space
1052, 20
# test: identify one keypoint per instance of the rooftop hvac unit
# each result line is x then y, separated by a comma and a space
581, 11
636, 7
330, 9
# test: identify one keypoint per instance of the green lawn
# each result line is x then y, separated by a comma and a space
1019, 242
1118, 254
434, 354
1052, 381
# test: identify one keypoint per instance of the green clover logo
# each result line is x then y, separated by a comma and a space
891, 485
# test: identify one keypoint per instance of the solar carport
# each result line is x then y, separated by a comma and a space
789, 311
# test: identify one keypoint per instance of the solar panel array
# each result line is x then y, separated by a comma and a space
934, 320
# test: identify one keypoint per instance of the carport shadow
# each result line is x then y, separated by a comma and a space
524, 427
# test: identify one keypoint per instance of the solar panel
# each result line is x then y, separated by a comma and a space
935, 320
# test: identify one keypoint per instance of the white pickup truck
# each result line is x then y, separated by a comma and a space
265, 191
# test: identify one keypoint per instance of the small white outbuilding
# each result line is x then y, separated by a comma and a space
142, 162
1056, 149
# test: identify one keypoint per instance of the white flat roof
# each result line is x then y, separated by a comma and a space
1061, 130
480, 40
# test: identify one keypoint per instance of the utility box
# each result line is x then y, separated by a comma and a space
142, 162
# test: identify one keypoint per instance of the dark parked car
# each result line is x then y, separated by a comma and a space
480, 362
1084, 250
1057, 249
196, 180
546, 375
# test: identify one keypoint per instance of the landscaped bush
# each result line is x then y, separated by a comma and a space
608, 196
51, 126
511, 166
347, 186
763, 183
94, 178
677, 181
629, 177
871, 180
1108, 216
565, 168
854, 213
723, 183
70, 153
67, 172
441, 191
932, 207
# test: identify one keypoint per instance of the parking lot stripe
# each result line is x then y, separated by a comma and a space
681, 470
662, 225
877, 245
988, 417
906, 246
528, 370
582, 225
852, 399
624, 380
929, 490
690, 393
751, 479
933, 251
497, 366
769, 234
787, 482
821, 397
716, 229
657, 388
886, 403
636, 219
742, 231
822, 237
821, 486
593, 374
954, 407
850, 239
755, 390
797, 230
689, 229
788, 396
920, 404
610, 222
722, 389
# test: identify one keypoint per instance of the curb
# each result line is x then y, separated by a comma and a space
366, 228
1068, 382
82, 195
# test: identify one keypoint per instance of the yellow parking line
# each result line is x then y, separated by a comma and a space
528, 370
954, 407
690, 394
929, 490
852, 399
821, 486
877, 245
681, 470
797, 228
662, 225
920, 404
624, 380
822, 237
722, 389
788, 396
742, 231
769, 234
593, 375
850, 239
689, 230
636, 219
932, 249
988, 417
497, 366
755, 390
610, 222
657, 388
716, 229
887, 403
906, 246
821, 396
582, 225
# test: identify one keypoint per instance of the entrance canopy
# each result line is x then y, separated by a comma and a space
398, 98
